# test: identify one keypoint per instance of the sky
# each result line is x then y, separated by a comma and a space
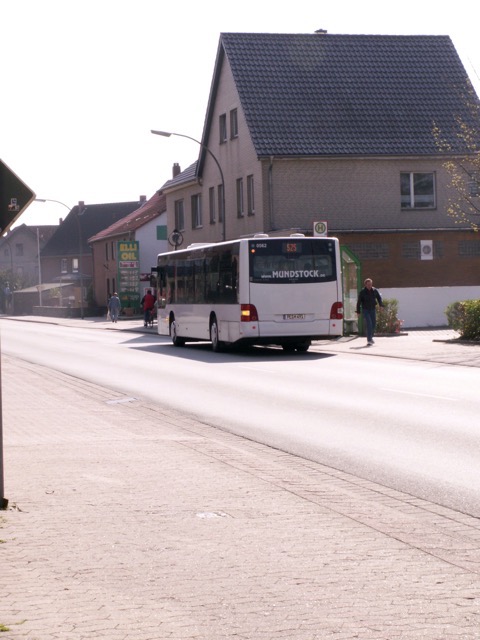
84, 81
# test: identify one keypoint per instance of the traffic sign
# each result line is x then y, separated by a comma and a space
320, 228
15, 197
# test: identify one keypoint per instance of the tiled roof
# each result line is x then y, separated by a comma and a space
149, 210
185, 176
94, 218
327, 94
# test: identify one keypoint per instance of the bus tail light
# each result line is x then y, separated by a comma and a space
248, 313
336, 312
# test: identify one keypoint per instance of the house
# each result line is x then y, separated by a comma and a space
67, 256
340, 129
142, 233
19, 251
19, 256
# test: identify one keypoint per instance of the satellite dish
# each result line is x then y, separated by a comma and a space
175, 239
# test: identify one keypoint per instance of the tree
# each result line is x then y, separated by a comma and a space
464, 169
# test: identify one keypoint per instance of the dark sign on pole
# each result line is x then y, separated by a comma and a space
15, 196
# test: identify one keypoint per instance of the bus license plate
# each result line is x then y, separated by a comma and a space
294, 316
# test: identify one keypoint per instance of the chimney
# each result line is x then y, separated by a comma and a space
175, 170
143, 199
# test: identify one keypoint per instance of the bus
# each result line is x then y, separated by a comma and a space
262, 290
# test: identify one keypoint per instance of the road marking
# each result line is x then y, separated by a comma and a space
423, 395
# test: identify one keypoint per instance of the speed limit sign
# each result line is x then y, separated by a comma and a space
319, 228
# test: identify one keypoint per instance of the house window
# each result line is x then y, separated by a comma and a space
196, 211
233, 124
211, 204
468, 248
417, 190
63, 265
74, 265
112, 250
106, 251
19, 249
179, 215
250, 196
220, 194
240, 197
370, 250
223, 128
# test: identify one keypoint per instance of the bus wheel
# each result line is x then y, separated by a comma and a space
177, 342
216, 344
302, 347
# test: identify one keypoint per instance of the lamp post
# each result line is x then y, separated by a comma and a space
167, 134
81, 211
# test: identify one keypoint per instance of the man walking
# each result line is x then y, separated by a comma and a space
114, 306
366, 304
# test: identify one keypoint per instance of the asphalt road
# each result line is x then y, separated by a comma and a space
410, 425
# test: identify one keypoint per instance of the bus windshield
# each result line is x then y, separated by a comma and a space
293, 260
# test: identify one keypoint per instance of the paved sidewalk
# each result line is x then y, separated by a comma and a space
128, 521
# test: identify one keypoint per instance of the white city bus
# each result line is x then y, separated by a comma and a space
263, 290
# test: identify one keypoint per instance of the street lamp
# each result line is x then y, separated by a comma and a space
167, 134
49, 200
81, 210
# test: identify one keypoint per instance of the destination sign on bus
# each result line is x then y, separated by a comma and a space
286, 247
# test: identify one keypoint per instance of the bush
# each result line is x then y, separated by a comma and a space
464, 317
387, 318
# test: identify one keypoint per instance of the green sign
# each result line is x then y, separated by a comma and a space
128, 261
15, 196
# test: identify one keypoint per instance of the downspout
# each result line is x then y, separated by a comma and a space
270, 194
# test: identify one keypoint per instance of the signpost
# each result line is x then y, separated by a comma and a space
15, 197
320, 228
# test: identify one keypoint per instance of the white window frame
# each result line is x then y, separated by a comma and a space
211, 204
179, 215
222, 126
233, 123
220, 200
250, 195
240, 209
196, 203
412, 199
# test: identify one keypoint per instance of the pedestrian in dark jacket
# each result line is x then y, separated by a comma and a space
368, 298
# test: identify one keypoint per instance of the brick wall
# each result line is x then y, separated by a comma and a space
394, 259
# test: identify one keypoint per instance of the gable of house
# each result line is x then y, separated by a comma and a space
146, 225
147, 211
80, 225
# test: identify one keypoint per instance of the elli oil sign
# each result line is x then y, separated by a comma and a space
128, 273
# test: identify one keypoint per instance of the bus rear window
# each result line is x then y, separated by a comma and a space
288, 261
